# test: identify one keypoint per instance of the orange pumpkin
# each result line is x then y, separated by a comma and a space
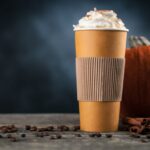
136, 90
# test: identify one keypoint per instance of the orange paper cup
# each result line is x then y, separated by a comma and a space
100, 116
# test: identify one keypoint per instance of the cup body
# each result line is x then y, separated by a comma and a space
98, 115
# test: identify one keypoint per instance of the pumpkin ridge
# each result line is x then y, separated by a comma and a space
136, 89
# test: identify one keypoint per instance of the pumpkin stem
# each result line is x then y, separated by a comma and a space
135, 41
132, 41
144, 40
138, 41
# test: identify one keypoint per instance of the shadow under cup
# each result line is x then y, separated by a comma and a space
98, 47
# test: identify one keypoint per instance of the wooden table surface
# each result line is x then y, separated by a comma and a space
119, 141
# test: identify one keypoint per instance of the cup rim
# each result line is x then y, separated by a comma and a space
108, 29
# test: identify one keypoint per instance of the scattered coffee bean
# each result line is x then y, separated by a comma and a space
75, 128
92, 135
98, 135
8, 129
135, 135
4, 130
78, 135
95, 135
23, 135
144, 140
108, 135
52, 137
58, 136
50, 128
63, 128
39, 134
12, 126
33, 128
13, 130
41, 129
9, 136
27, 127
148, 136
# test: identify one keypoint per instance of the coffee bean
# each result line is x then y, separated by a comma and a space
58, 136
8, 129
76, 128
39, 134
9, 136
13, 130
148, 136
108, 135
41, 129
50, 128
4, 130
92, 135
12, 126
23, 135
78, 135
27, 127
1, 127
52, 138
33, 128
98, 135
95, 135
63, 128
135, 135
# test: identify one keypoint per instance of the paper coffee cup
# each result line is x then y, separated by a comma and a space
99, 60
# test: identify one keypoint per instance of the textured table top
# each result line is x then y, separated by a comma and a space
120, 140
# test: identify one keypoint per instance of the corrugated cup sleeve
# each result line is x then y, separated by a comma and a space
99, 78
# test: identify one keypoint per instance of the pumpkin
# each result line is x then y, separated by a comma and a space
136, 90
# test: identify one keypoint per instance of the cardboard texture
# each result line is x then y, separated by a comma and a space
99, 116
99, 78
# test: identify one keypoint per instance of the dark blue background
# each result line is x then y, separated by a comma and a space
37, 54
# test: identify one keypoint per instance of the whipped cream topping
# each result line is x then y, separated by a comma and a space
100, 19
